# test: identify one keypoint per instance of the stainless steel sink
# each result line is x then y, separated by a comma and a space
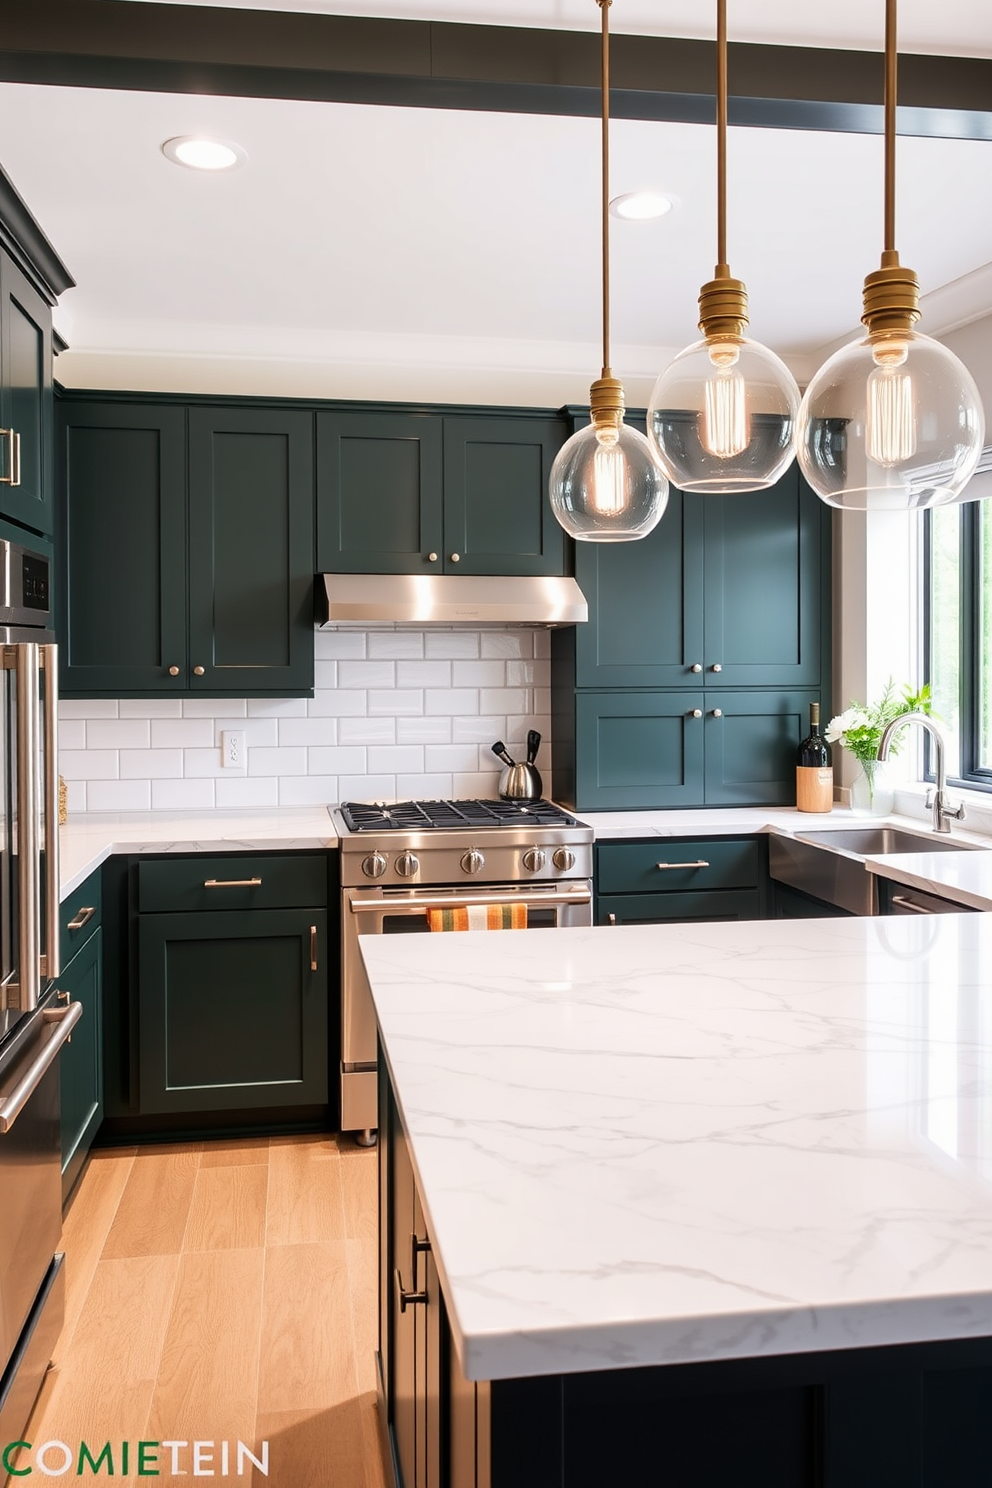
870, 841
831, 865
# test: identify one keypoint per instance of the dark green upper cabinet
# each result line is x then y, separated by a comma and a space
123, 547
404, 492
497, 516
727, 591
250, 550
186, 549
26, 491
378, 492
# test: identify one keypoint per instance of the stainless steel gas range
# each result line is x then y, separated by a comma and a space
400, 861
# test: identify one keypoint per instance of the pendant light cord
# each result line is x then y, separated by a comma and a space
604, 7
721, 137
890, 125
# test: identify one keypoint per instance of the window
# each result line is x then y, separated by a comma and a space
958, 639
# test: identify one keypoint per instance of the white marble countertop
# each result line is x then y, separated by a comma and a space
87, 840
687, 1142
963, 877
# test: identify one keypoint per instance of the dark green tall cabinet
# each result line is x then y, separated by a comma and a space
400, 491
707, 641
187, 548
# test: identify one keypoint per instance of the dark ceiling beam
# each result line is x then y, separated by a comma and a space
423, 64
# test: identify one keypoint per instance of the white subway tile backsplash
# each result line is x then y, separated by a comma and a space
395, 644
234, 792
375, 730
118, 733
151, 764
447, 644
395, 714
183, 733
119, 795
423, 673
366, 674
182, 795
451, 700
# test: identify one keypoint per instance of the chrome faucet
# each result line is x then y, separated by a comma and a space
942, 811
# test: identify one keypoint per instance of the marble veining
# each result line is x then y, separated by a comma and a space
668, 1143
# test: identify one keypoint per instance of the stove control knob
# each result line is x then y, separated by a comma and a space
564, 858
374, 866
407, 865
534, 859
473, 861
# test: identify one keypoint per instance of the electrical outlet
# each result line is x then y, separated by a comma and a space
232, 749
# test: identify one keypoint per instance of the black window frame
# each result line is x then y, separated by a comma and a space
971, 775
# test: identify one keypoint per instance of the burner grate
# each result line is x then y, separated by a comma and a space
449, 816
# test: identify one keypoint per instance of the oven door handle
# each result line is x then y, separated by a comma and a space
457, 901
13, 1102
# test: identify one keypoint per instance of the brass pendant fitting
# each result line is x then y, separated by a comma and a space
723, 306
891, 298
606, 400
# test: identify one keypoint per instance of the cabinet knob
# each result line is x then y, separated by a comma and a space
456, 557
716, 667
696, 667
431, 557
198, 671
717, 712
696, 713
173, 671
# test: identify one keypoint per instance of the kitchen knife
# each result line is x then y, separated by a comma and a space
533, 745
499, 750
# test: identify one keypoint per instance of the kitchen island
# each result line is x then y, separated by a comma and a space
702, 1205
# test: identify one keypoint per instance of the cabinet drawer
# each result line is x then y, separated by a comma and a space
652, 909
633, 867
79, 916
209, 883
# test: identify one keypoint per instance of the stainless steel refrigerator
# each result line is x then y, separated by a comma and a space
35, 1018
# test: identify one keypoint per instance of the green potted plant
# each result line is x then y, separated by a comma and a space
859, 728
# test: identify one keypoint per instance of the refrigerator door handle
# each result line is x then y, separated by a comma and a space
50, 962
28, 846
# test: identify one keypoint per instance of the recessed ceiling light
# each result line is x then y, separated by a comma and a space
642, 206
203, 154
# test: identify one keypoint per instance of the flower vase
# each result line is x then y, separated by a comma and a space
871, 790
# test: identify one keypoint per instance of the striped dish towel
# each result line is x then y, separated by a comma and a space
479, 917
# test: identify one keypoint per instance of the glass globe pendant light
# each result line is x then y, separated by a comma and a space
606, 483
893, 422
722, 413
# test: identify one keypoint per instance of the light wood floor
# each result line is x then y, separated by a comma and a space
223, 1291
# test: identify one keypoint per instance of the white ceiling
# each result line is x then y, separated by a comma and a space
362, 237
956, 28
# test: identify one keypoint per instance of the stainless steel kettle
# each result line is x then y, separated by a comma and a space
520, 782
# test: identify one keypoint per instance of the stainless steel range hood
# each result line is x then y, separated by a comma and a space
451, 599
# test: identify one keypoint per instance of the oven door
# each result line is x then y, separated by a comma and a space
403, 911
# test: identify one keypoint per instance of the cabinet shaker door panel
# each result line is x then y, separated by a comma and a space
123, 611
497, 515
638, 749
751, 746
231, 1015
26, 404
378, 493
763, 594
81, 1060
251, 550
645, 617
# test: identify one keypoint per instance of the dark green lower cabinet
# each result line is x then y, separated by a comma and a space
81, 1060
651, 750
655, 909
232, 1010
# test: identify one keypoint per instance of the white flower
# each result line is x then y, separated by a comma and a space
843, 723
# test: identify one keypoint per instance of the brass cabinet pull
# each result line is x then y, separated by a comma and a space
173, 671
14, 478
313, 947
198, 671
231, 883
611, 919
82, 918
702, 863
908, 904
406, 1299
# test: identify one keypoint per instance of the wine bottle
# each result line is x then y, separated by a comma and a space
814, 772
